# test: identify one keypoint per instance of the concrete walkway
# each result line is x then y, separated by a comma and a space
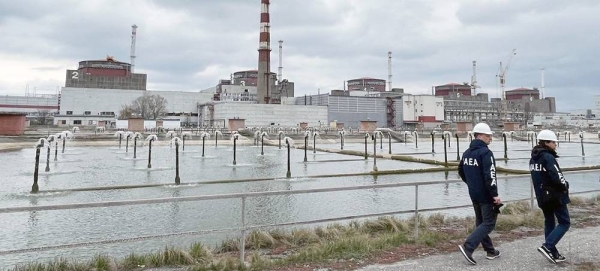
578, 246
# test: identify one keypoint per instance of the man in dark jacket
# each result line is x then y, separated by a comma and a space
477, 169
552, 193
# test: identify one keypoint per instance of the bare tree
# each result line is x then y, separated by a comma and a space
43, 116
157, 106
148, 106
125, 112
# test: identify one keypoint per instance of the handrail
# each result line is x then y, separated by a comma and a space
243, 196
209, 197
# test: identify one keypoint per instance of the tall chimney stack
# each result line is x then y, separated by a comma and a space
389, 71
133, 37
264, 55
280, 71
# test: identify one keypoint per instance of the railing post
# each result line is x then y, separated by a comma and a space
243, 231
416, 211
532, 194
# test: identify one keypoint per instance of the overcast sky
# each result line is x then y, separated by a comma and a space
188, 45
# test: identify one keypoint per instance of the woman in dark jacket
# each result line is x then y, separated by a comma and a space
552, 193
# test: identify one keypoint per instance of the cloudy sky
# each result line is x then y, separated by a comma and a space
188, 45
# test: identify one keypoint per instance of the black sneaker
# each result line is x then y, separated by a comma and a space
558, 258
493, 255
546, 253
468, 256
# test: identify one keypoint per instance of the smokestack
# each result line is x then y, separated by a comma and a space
474, 79
280, 75
133, 37
264, 54
543, 86
389, 71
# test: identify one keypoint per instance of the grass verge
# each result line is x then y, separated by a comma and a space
356, 240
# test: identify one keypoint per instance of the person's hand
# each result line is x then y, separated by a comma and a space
497, 200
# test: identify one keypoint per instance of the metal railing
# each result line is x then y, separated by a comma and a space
243, 197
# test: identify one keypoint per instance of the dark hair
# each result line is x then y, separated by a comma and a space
477, 134
542, 144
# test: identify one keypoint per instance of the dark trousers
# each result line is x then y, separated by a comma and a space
552, 232
485, 220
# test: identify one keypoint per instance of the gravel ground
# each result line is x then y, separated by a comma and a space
578, 246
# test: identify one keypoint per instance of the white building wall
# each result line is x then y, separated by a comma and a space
415, 106
262, 115
150, 124
79, 100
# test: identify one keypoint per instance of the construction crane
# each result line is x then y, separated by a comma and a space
502, 73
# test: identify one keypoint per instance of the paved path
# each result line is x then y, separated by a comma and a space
578, 246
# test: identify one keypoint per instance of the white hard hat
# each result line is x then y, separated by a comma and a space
482, 128
547, 135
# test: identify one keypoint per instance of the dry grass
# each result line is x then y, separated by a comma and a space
436, 219
302, 237
577, 201
357, 239
170, 257
517, 208
260, 239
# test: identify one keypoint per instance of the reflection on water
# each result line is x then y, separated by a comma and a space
103, 167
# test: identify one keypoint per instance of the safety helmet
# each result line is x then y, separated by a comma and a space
482, 128
547, 135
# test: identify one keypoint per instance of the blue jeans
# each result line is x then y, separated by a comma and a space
552, 232
485, 220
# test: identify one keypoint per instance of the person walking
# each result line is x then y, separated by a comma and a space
477, 169
552, 193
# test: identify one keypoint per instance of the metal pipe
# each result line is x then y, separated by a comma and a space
457, 147
375, 152
177, 179
505, 147
305, 147
433, 141
417, 210
48, 159
150, 153
390, 143
56, 150
289, 172
445, 137
243, 231
35, 188
135, 147
234, 148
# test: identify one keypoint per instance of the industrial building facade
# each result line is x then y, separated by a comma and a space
366, 84
105, 74
87, 106
30, 104
351, 110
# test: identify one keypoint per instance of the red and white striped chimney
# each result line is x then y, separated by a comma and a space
264, 54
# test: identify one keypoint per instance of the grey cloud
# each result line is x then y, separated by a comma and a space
325, 41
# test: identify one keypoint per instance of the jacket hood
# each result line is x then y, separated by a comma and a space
477, 144
540, 150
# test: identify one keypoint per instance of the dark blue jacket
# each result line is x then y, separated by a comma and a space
477, 168
545, 172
